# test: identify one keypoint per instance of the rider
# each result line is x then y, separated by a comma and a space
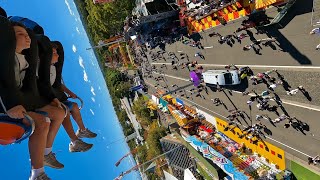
76, 145
18, 80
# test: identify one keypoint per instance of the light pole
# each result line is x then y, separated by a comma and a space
102, 44
250, 114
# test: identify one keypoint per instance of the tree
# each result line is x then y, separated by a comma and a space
122, 89
154, 135
142, 112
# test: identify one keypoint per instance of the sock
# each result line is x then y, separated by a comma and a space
47, 151
35, 173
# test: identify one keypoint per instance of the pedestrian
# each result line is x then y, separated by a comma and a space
247, 47
292, 92
315, 31
272, 108
301, 88
217, 101
273, 86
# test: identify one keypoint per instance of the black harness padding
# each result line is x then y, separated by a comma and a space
35, 27
32, 97
9, 91
45, 56
3, 12
59, 66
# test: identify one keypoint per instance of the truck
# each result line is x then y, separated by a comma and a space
221, 77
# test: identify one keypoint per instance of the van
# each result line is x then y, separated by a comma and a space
221, 77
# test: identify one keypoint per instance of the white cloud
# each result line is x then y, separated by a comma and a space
91, 112
92, 91
93, 100
81, 62
85, 76
74, 48
77, 29
69, 8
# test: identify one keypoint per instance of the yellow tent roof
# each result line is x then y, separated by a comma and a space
264, 3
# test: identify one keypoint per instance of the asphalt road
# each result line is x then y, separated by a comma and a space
294, 45
309, 143
293, 77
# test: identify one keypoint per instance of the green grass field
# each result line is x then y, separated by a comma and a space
199, 156
302, 173
203, 173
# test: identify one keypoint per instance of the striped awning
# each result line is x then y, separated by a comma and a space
264, 3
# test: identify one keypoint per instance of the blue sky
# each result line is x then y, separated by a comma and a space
61, 22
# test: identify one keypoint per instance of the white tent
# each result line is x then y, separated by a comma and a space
168, 176
188, 175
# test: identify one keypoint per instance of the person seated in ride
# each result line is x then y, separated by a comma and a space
40, 143
76, 145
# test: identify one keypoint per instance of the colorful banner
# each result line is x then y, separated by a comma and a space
135, 88
163, 102
179, 101
208, 152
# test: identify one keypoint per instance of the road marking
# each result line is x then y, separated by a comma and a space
283, 101
193, 103
256, 66
183, 79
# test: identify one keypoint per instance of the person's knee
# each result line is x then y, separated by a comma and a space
42, 123
55, 114
75, 107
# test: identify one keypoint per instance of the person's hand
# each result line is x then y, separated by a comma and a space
72, 95
56, 102
17, 112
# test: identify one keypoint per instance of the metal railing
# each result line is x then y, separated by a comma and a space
282, 13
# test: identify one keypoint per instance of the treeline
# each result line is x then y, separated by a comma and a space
103, 20
118, 85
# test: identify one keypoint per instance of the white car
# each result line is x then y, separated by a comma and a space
221, 77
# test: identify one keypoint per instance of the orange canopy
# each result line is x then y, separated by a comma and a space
264, 3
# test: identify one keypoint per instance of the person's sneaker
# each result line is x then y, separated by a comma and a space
79, 146
85, 133
42, 176
51, 161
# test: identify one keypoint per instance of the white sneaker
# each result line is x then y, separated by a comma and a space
79, 146
41, 176
85, 134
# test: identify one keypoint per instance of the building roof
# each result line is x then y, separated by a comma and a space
178, 159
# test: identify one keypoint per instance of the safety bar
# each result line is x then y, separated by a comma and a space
81, 102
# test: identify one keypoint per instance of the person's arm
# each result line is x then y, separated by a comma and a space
68, 91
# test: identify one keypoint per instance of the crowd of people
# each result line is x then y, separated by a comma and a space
31, 84
265, 100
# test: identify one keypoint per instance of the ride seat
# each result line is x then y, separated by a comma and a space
35, 27
11, 130
14, 130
